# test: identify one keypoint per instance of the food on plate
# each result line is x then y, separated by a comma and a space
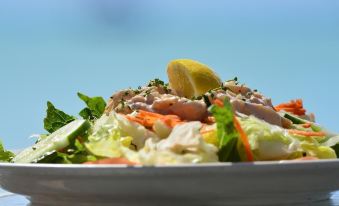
195, 118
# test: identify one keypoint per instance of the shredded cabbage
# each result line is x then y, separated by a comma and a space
270, 142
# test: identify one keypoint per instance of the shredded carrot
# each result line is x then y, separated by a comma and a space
241, 132
116, 161
307, 158
218, 102
148, 119
306, 133
307, 125
295, 106
149, 114
171, 120
209, 120
244, 139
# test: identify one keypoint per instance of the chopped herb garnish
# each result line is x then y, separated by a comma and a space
147, 92
197, 98
122, 102
136, 91
207, 100
156, 82
166, 88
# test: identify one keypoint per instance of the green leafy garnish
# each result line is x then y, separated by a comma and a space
74, 154
5, 156
95, 107
336, 149
156, 82
226, 132
56, 119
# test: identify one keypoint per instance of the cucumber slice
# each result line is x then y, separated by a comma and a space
297, 120
54, 142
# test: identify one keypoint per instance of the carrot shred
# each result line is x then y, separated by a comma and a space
148, 119
306, 125
244, 139
294, 106
241, 132
306, 133
209, 120
149, 114
218, 102
116, 161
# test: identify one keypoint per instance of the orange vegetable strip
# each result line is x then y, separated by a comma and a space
218, 102
295, 107
171, 120
148, 118
307, 158
210, 120
149, 114
306, 125
241, 132
116, 161
244, 139
134, 119
306, 133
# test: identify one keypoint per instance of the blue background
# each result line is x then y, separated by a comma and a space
50, 50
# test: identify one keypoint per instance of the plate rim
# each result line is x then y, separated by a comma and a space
200, 165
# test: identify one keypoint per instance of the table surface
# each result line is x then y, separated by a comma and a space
9, 199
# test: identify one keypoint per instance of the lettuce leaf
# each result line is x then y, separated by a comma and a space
74, 154
333, 142
226, 132
105, 136
271, 142
95, 107
56, 119
5, 156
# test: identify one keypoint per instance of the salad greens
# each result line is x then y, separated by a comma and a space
226, 132
75, 153
56, 141
55, 118
5, 156
99, 136
95, 107
159, 124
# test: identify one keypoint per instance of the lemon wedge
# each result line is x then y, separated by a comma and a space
189, 78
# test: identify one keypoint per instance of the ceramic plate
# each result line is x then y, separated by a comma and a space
264, 183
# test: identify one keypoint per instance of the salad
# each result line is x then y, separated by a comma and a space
195, 118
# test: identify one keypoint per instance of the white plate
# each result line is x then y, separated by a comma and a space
265, 183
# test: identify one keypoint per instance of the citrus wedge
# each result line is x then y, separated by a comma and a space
189, 78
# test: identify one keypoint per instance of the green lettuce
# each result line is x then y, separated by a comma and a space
270, 142
5, 156
105, 136
55, 118
95, 107
76, 153
226, 132
332, 142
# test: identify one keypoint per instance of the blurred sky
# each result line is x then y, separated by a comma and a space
50, 50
